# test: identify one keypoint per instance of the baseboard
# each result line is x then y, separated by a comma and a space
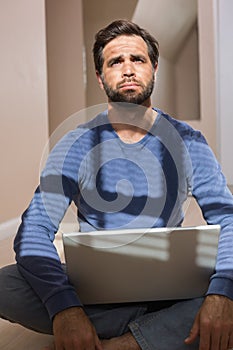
9, 228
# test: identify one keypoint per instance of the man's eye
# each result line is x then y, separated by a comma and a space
115, 63
138, 59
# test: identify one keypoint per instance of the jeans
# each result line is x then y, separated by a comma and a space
156, 325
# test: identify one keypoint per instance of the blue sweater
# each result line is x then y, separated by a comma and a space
119, 185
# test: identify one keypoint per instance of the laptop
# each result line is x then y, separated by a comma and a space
141, 264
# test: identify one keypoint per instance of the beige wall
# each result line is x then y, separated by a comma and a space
23, 95
207, 66
186, 67
177, 87
66, 88
163, 95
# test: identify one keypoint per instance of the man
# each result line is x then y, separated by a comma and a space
103, 167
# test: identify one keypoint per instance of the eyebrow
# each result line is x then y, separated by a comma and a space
119, 57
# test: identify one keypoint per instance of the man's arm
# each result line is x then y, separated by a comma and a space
73, 330
216, 203
214, 324
36, 255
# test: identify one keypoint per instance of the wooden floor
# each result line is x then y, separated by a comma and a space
13, 336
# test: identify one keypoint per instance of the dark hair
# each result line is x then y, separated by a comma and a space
122, 27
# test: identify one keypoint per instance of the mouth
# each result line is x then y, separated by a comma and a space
129, 85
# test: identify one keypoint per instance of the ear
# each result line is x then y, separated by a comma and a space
155, 70
99, 80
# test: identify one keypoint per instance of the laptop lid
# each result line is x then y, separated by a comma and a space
141, 264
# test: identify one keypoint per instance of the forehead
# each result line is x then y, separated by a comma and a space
125, 44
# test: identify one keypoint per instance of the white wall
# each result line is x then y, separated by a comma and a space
23, 96
224, 65
216, 79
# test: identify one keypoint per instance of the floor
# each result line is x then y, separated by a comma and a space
13, 336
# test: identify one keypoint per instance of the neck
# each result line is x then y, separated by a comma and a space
130, 121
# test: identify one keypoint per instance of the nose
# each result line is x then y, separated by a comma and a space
128, 70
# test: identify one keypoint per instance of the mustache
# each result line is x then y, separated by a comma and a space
129, 80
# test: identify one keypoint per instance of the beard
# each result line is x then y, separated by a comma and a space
129, 96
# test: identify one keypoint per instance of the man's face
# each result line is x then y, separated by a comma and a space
127, 75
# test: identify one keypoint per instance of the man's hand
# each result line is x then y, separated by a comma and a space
214, 324
73, 331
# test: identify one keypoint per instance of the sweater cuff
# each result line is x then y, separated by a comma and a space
61, 301
221, 286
